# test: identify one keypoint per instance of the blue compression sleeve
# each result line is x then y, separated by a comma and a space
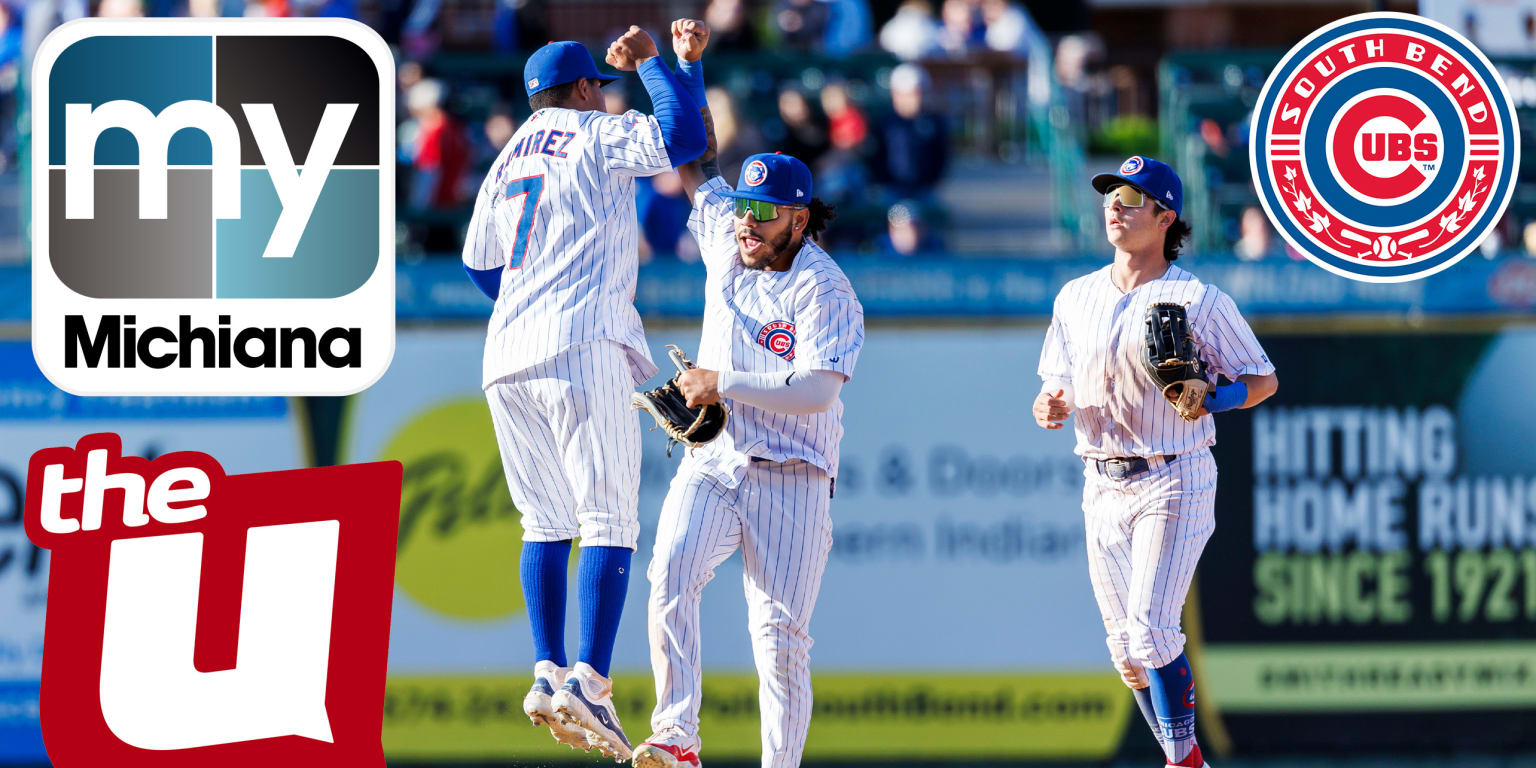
487, 280
682, 128
691, 75
1227, 397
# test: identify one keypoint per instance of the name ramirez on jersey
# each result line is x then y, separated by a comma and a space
557, 211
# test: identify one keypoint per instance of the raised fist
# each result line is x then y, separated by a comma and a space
630, 49
689, 37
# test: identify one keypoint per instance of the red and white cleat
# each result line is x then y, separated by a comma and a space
668, 748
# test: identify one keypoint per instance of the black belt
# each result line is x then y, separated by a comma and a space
831, 492
1121, 468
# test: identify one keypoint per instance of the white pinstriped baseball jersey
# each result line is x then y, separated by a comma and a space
1094, 347
557, 211
756, 321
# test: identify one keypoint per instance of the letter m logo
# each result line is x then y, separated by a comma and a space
201, 160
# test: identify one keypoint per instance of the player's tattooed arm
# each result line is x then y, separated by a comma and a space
689, 38
708, 164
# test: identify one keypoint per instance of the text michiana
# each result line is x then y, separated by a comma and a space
117, 343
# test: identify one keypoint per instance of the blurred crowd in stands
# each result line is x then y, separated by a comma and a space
811, 78
879, 97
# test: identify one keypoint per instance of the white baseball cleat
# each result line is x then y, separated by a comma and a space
586, 702
541, 711
668, 748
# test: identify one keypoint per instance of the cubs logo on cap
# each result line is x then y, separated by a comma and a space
1384, 147
1131, 165
756, 173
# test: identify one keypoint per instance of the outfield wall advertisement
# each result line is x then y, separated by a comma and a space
955, 618
1373, 575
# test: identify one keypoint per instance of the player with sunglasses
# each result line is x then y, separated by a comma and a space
782, 331
1149, 491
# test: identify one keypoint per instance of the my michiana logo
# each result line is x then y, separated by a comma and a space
214, 207
779, 338
1384, 147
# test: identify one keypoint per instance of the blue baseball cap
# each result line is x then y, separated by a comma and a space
774, 178
558, 64
1150, 176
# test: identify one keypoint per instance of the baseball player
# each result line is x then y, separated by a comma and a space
553, 242
1149, 479
782, 331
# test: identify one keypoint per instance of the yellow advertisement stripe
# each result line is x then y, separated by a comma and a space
1365, 676
1056, 716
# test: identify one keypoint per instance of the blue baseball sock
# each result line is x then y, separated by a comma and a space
543, 572
1173, 698
1144, 702
604, 579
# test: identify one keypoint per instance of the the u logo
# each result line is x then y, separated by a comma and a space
197, 617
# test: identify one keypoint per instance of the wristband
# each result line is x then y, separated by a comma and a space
1226, 398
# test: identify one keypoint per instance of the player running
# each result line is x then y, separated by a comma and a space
553, 242
1149, 480
782, 330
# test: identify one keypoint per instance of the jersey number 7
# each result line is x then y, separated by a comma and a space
533, 187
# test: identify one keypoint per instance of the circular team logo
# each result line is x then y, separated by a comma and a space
1384, 147
779, 338
1131, 166
756, 173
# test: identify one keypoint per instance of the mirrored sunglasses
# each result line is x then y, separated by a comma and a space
762, 211
1129, 196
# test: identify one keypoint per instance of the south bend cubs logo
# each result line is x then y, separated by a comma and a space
1384, 147
756, 173
778, 338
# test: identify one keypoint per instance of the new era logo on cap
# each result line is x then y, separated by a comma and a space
214, 208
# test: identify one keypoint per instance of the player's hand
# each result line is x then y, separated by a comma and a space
700, 385
630, 49
689, 37
1051, 410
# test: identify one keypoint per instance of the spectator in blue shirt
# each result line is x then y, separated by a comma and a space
912, 151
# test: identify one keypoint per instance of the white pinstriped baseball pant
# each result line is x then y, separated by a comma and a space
1145, 535
570, 446
779, 516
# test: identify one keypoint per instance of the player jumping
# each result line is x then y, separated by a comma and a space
1149, 480
553, 243
782, 330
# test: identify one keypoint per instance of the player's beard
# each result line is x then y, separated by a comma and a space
776, 249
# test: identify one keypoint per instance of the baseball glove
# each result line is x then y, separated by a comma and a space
1171, 360
692, 427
